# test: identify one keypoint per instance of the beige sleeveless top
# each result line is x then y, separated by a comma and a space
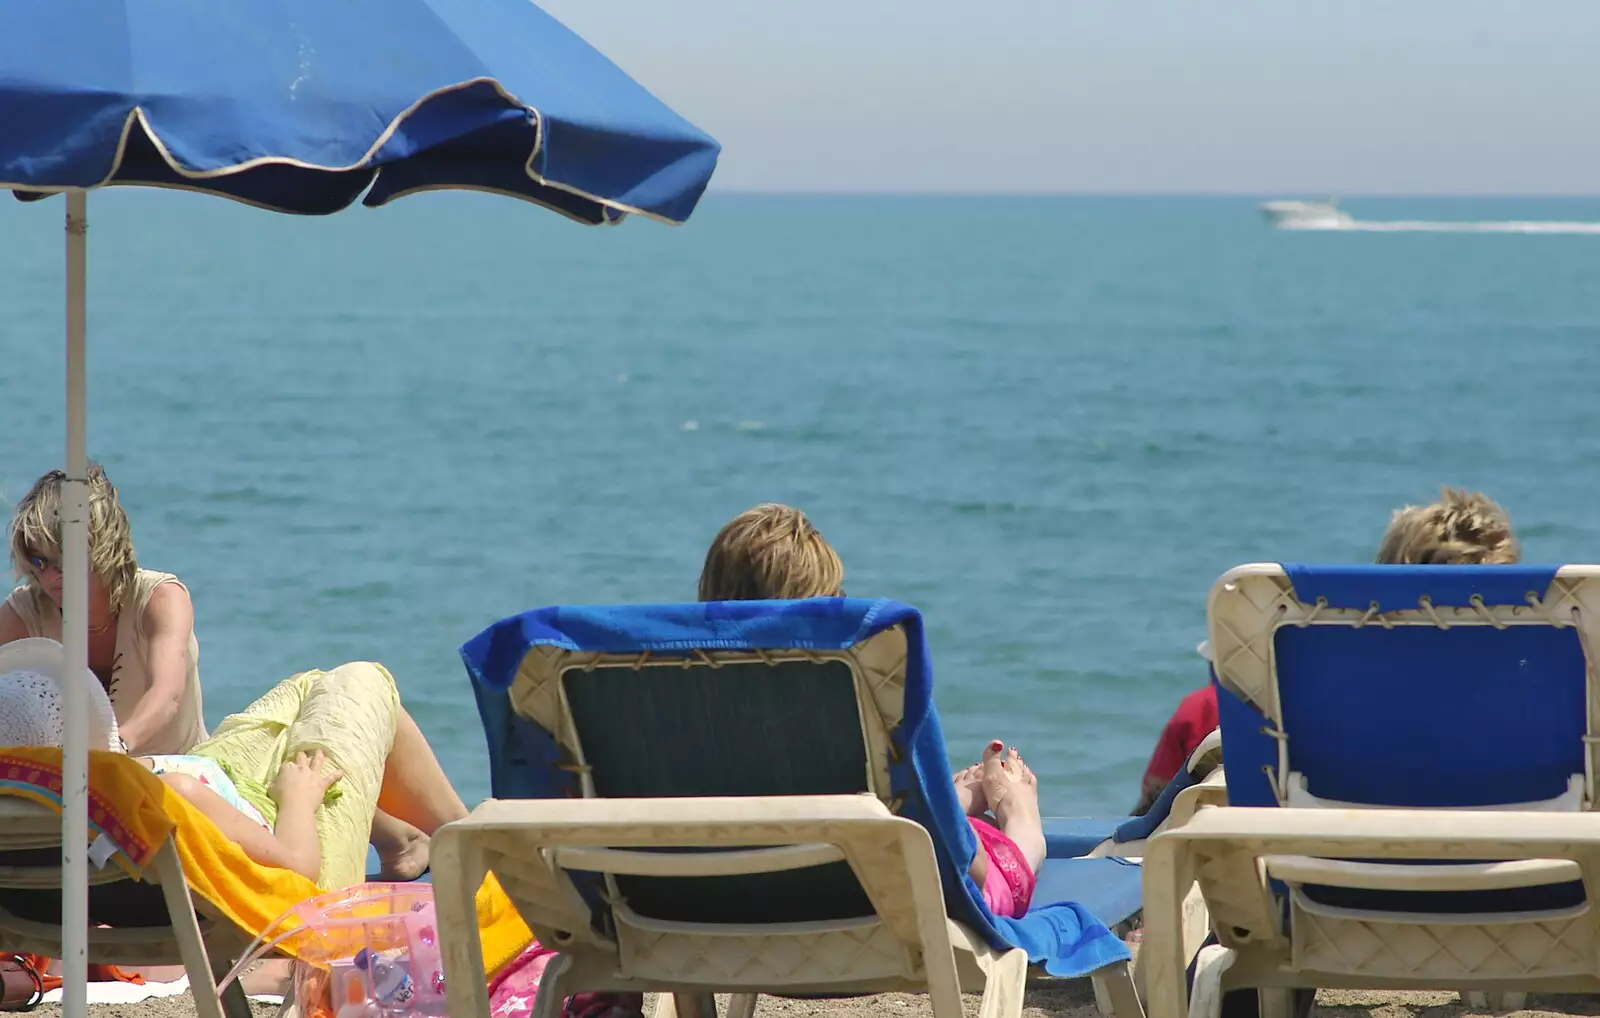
129, 680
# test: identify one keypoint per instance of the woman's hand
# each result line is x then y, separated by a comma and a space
304, 779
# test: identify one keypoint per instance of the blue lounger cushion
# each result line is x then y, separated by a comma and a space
1070, 837
1110, 889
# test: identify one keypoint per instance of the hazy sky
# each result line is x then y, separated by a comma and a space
1389, 96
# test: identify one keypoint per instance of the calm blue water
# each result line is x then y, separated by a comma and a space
1048, 423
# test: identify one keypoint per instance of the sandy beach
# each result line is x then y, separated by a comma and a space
1072, 999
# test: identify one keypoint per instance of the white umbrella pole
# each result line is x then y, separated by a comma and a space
75, 635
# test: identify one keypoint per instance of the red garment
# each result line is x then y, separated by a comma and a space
1195, 718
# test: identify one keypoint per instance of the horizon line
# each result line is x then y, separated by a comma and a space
1091, 193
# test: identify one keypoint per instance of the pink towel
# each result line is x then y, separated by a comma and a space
1008, 884
514, 988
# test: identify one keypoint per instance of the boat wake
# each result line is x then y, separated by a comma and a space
1442, 226
1327, 215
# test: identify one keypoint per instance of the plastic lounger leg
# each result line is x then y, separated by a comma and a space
1162, 957
1496, 1002
1102, 995
1114, 995
1276, 1002
458, 870
234, 1002
695, 1005
742, 1005
554, 987
1002, 994
186, 930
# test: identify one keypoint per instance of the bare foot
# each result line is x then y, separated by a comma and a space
969, 790
1012, 791
403, 851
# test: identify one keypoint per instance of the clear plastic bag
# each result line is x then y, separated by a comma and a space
370, 951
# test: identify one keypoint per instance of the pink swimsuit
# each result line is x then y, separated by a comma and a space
1008, 884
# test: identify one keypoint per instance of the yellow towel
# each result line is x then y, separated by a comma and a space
132, 807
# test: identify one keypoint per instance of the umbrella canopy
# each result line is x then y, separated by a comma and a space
303, 106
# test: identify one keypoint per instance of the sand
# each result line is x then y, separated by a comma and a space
1055, 1000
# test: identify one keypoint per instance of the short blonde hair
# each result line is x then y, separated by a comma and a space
36, 530
771, 552
1462, 528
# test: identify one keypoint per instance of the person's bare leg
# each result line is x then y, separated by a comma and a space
979, 870
415, 789
976, 803
402, 849
969, 790
1013, 793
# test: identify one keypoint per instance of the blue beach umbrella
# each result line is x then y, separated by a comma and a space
304, 106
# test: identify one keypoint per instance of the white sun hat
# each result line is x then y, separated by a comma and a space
32, 698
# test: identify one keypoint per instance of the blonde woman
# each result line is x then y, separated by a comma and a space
141, 622
142, 644
263, 778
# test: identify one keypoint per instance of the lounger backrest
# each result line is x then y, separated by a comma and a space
1433, 686
725, 723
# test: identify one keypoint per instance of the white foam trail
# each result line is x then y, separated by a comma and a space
1423, 226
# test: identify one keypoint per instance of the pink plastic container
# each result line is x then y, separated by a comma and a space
370, 951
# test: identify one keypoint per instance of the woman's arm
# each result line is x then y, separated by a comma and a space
299, 789
169, 624
289, 850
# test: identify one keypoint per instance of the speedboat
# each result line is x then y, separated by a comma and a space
1306, 215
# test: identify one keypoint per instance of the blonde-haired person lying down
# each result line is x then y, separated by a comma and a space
1463, 528
265, 777
774, 552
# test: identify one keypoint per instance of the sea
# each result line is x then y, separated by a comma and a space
1049, 423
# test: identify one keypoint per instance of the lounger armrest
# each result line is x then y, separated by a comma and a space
542, 840
752, 820
1466, 876
1206, 756
1394, 834
1212, 790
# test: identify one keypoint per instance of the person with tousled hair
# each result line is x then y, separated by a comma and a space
1463, 528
